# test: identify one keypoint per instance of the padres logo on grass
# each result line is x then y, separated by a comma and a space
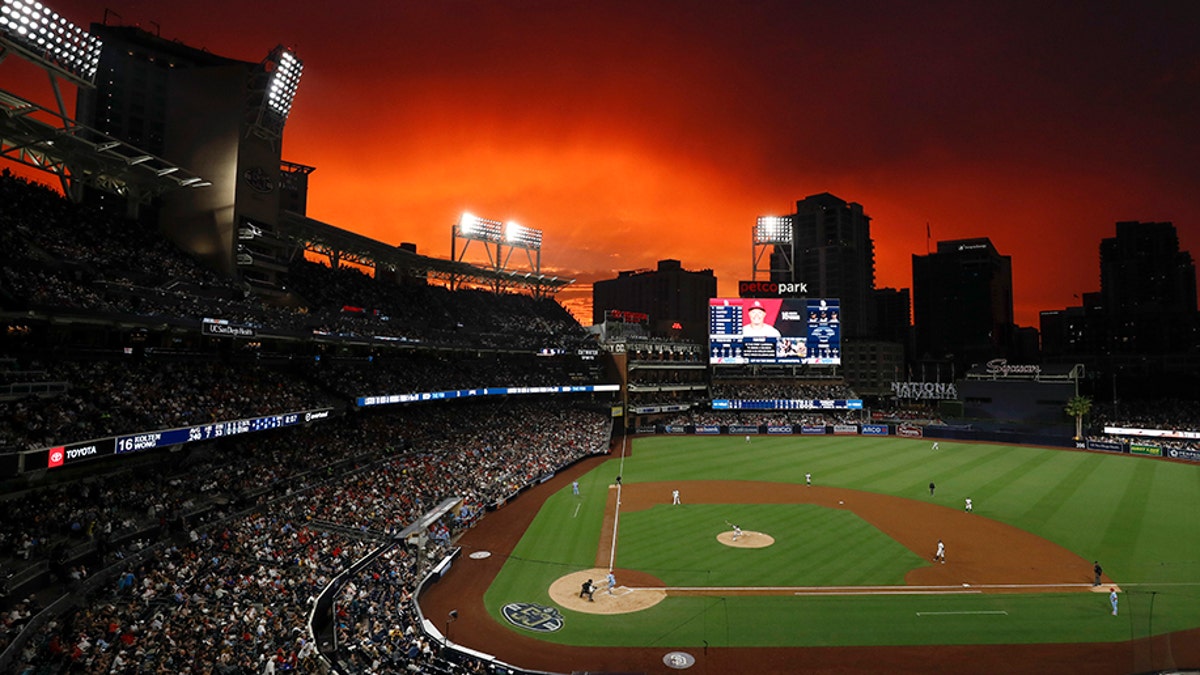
533, 617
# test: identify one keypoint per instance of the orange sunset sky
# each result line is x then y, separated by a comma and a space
631, 132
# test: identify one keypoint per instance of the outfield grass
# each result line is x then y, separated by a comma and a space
1138, 516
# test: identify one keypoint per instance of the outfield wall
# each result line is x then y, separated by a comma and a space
931, 431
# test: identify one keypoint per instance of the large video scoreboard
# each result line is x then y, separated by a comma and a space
774, 331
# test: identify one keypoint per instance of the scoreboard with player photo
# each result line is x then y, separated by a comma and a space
774, 331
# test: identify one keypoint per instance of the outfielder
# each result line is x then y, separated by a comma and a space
969, 506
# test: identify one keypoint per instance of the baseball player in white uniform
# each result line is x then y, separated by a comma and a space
675, 497
940, 556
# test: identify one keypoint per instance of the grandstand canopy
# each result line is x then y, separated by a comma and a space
343, 246
81, 156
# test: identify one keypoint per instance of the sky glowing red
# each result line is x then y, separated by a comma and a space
631, 132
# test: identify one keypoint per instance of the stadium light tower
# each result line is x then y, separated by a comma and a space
278, 79
40, 35
494, 236
774, 232
53, 141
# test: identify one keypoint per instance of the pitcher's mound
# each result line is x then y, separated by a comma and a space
746, 539
643, 592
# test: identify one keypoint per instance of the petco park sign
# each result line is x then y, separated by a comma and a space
925, 390
772, 289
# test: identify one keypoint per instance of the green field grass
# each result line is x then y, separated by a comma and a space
1137, 515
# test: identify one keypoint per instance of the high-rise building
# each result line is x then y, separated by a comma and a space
1149, 290
963, 303
893, 311
675, 299
219, 118
834, 257
1073, 333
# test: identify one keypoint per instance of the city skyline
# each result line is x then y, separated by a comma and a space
635, 132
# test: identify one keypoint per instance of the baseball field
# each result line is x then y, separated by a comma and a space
844, 567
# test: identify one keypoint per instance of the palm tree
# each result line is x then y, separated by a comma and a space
1078, 407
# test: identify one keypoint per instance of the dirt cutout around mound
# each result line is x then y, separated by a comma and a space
746, 539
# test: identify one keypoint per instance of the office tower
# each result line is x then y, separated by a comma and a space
675, 299
834, 257
1149, 290
963, 303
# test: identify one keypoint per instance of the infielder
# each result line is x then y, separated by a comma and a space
940, 556
808, 479
969, 507
737, 532
674, 497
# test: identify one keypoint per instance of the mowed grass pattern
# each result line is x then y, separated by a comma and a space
814, 546
1137, 515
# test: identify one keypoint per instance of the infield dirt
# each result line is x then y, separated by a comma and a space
977, 549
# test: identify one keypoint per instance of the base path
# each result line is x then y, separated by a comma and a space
463, 586
984, 553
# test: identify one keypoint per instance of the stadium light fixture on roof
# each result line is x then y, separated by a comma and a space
285, 79
522, 237
773, 230
42, 35
481, 229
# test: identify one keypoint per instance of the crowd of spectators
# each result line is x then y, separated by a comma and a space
346, 301
760, 418
103, 397
801, 390
411, 372
223, 545
67, 257
1166, 415
111, 396
232, 594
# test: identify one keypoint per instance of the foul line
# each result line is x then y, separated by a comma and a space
612, 553
973, 589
